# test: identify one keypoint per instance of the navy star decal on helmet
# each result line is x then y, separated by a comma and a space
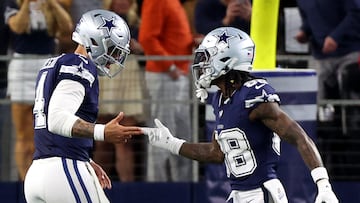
224, 37
108, 24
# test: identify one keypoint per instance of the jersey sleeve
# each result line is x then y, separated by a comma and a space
10, 10
77, 68
259, 91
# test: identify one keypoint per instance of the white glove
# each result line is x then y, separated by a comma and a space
325, 193
162, 138
202, 94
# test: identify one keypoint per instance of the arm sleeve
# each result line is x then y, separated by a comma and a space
64, 103
260, 92
10, 9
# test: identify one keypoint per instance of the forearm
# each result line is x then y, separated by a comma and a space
73, 126
83, 129
295, 135
63, 18
203, 152
19, 23
311, 156
310, 153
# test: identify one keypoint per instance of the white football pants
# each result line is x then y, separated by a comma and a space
62, 180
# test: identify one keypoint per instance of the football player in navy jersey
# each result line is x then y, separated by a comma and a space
249, 123
65, 111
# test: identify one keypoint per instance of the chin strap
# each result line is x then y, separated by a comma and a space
202, 94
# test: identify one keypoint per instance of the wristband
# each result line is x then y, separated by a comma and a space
99, 130
319, 173
177, 143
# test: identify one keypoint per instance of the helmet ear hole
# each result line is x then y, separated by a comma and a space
93, 42
225, 59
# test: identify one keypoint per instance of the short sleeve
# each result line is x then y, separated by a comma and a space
259, 92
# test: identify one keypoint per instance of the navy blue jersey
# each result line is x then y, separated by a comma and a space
251, 149
71, 67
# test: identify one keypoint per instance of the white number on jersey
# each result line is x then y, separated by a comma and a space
39, 106
38, 111
251, 83
50, 63
239, 157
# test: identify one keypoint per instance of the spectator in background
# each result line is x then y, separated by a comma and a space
76, 8
211, 14
333, 30
189, 6
139, 3
127, 87
35, 25
4, 108
165, 31
5, 38
64, 41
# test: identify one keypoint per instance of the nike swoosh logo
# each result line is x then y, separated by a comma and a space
259, 86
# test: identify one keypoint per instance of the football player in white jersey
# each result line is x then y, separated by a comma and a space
248, 123
65, 111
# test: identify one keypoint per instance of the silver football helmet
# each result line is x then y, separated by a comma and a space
222, 50
106, 37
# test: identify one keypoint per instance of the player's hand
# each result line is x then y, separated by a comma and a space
174, 72
330, 45
161, 137
116, 133
101, 175
325, 193
202, 94
301, 37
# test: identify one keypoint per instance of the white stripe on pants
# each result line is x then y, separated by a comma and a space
47, 181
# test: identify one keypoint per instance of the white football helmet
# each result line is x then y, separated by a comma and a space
222, 50
106, 37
